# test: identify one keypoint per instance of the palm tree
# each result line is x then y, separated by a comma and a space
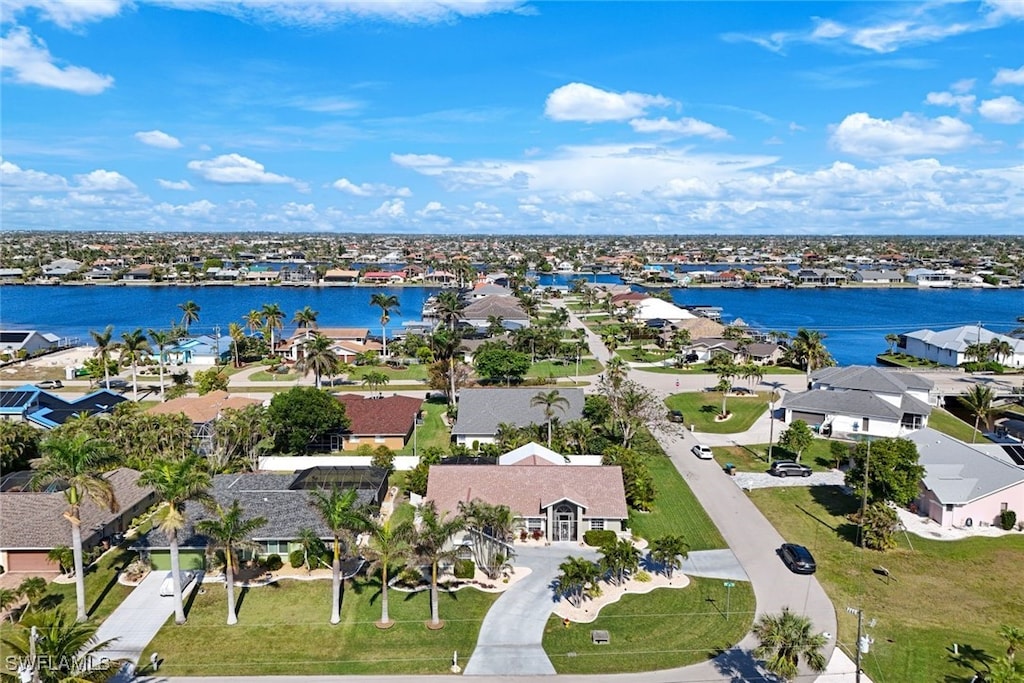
313, 547
389, 543
449, 308
979, 401
161, 340
273, 317
447, 347
63, 557
133, 348
386, 303
375, 379
77, 461
999, 348
176, 482
318, 356
670, 551
9, 599
229, 533
1014, 637
619, 558
431, 546
103, 349
305, 318
787, 638
56, 640
809, 351
237, 334
891, 339
576, 573
340, 510
253, 321
492, 527
495, 325
32, 588
189, 314
550, 401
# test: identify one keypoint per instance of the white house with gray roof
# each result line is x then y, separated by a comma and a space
482, 410
964, 486
862, 400
949, 347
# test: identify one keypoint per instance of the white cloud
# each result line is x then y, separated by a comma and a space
203, 207
684, 127
420, 160
964, 85
431, 208
174, 184
103, 181
392, 208
229, 169
30, 63
582, 102
158, 138
947, 99
581, 197
1003, 109
909, 135
14, 177
370, 189
1009, 77
68, 13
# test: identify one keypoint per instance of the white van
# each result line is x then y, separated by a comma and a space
167, 587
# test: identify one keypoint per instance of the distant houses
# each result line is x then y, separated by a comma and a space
950, 346
47, 410
20, 343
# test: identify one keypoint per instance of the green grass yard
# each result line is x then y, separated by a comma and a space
754, 458
675, 510
433, 431
940, 592
284, 629
666, 628
950, 424
700, 408
556, 368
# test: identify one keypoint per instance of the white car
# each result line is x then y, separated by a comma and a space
167, 587
703, 452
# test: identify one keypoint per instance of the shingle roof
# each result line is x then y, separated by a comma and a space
867, 378
482, 410
202, 409
36, 520
856, 403
957, 473
528, 489
507, 307
388, 416
959, 338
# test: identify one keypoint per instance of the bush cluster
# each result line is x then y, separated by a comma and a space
597, 538
464, 569
1007, 520
273, 562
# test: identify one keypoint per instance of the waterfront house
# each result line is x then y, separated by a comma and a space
385, 421
339, 276
481, 411
926, 277
862, 400
203, 411
99, 274
964, 486
199, 350
949, 347
62, 267
384, 277
17, 343
878, 277
478, 313
140, 273
820, 276
652, 308
11, 275
47, 410
32, 523
547, 495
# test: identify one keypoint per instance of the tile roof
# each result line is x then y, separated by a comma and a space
529, 489
482, 410
36, 520
202, 409
388, 416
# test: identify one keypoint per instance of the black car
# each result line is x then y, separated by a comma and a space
675, 416
797, 558
788, 468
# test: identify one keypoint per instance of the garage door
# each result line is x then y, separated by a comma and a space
29, 561
812, 419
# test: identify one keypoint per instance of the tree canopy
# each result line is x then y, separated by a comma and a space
302, 415
893, 471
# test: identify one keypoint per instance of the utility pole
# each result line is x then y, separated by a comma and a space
864, 498
862, 642
771, 427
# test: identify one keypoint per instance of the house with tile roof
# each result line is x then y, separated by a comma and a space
862, 400
346, 342
963, 485
386, 421
949, 347
32, 523
560, 501
203, 412
481, 411
47, 410
477, 312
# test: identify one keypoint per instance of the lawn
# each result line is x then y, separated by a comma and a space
950, 424
701, 369
556, 368
669, 627
642, 355
754, 458
939, 593
675, 510
433, 431
284, 629
701, 407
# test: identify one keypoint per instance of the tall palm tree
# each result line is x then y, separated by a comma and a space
237, 334
189, 314
103, 348
449, 308
431, 546
161, 340
273, 318
389, 543
305, 318
53, 638
447, 348
550, 400
133, 348
999, 348
891, 339
229, 532
386, 303
809, 351
253, 321
78, 461
618, 558
787, 638
176, 482
341, 512
318, 356
979, 401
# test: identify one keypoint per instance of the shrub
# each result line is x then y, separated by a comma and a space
273, 562
642, 576
296, 558
597, 538
410, 577
536, 534
1007, 519
464, 569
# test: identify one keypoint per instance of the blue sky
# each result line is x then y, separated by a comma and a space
460, 116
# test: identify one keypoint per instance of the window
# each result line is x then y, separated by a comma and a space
597, 525
1003, 507
378, 439
534, 524
276, 547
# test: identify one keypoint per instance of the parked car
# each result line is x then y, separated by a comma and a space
50, 384
788, 468
740, 391
167, 587
675, 416
703, 452
114, 383
797, 558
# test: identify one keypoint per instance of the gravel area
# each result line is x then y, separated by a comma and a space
763, 480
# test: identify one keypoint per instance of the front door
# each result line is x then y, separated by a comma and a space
565, 522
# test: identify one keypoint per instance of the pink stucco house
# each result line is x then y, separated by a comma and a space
966, 485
